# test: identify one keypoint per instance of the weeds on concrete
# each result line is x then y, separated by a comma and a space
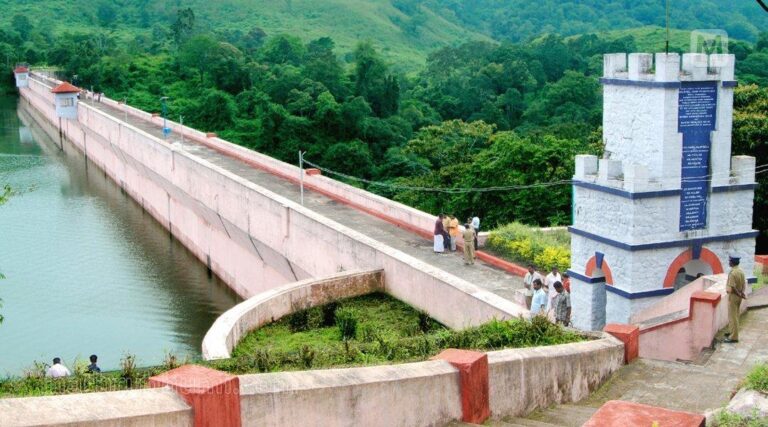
730, 419
757, 379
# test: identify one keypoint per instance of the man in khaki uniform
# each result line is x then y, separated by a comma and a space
735, 290
469, 244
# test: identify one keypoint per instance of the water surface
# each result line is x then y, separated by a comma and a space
87, 270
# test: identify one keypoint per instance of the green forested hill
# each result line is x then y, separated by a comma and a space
403, 37
405, 31
517, 20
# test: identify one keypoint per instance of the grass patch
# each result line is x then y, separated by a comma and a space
762, 279
757, 379
385, 331
730, 419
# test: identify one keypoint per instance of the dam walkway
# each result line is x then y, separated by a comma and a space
482, 275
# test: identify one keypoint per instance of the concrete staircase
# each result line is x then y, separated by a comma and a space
566, 415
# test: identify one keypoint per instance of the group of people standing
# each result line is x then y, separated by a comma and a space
548, 295
448, 231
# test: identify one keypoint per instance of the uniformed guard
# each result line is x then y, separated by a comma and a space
735, 289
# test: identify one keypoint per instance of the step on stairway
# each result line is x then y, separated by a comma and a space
556, 416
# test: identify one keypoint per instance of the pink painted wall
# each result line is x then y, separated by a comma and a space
218, 214
677, 301
684, 336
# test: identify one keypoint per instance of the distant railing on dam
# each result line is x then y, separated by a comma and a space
253, 238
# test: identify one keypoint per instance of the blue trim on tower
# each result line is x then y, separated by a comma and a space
624, 193
584, 278
660, 193
730, 83
599, 256
637, 295
696, 251
736, 187
660, 245
641, 83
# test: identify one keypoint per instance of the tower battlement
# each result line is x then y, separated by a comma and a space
667, 190
668, 67
635, 178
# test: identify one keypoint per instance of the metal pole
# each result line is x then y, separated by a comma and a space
301, 175
181, 128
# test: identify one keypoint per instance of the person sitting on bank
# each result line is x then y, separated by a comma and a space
734, 287
57, 370
539, 299
93, 368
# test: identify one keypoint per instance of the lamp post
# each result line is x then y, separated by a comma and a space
166, 130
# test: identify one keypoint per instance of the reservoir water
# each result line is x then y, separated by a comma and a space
87, 270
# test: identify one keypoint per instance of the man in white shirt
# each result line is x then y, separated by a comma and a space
530, 276
539, 300
57, 370
552, 277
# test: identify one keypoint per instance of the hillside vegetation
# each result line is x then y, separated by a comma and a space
518, 20
476, 114
403, 39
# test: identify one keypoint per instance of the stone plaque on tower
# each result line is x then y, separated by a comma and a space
667, 201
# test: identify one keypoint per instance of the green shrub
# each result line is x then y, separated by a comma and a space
346, 321
329, 313
298, 320
757, 379
307, 356
526, 244
128, 368
425, 322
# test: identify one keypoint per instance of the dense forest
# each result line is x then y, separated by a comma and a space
477, 114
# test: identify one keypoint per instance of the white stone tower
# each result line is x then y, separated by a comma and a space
668, 201
21, 73
65, 97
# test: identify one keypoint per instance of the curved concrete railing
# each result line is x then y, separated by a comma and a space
271, 305
427, 393
148, 407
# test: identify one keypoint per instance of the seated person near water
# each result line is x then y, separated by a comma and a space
93, 368
57, 370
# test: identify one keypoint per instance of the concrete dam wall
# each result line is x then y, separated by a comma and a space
252, 238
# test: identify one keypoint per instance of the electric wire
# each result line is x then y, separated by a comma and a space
758, 170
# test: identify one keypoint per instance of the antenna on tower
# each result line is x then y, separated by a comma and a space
666, 43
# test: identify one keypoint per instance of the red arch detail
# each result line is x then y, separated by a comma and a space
706, 256
592, 266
